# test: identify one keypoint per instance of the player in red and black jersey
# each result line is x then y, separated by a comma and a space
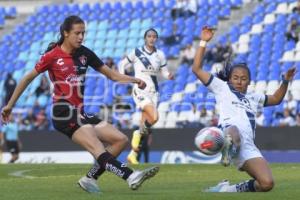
66, 62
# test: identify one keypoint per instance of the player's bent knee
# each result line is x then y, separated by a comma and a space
266, 185
153, 120
124, 140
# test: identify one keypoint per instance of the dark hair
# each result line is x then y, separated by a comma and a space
226, 72
150, 29
65, 26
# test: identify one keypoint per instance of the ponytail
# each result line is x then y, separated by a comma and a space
224, 74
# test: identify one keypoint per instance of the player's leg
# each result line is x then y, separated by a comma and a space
259, 169
132, 157
15, 152
149, 118
262, 180
116, 141
86, 136
14, 157
231, 146
1, 148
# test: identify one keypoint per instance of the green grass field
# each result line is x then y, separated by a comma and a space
57, 181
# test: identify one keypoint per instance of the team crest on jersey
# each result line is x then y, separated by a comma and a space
83, 59
140, 98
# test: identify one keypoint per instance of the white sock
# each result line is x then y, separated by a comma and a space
231, 188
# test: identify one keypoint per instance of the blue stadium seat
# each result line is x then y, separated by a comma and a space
259, 11
225, 12
271, 7
131, 43
179, 87
11, 12
236, 3
92, 26
91, 35
175, 107
212, 21
225, 3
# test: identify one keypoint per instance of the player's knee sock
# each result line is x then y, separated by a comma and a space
109, 163
247, 186
135, 141
145, 127
95, 172
234, 151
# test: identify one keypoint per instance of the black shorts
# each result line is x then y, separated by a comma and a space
12, 146
67, 119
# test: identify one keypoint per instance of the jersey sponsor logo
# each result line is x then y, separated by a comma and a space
83, 59
115, 170
74, 79
140, 98
60, 62
244, 104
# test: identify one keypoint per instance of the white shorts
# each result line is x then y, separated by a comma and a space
248, 150
143, 98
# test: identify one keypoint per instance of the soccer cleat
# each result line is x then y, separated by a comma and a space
132, 158
135, 141
89, 185
221, 187
226, 151
136, 179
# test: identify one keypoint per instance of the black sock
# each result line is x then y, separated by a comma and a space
147, 124
247, 186
95, 172
109, 163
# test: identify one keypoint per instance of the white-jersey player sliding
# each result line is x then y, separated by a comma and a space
148, 62
237, 119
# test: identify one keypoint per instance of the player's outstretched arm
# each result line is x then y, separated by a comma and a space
279, 94
122, 78
206, 35
25, 81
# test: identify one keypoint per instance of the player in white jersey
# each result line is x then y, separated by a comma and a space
148, 62
237, 119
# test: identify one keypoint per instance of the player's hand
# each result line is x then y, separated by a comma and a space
141, 84
289, 75
5, 114
171, 76
207, 33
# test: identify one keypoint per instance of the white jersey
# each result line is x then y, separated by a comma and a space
146, 66
236, 108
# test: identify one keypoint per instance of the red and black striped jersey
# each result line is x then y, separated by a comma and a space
67, 72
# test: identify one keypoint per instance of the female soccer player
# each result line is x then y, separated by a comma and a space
237, 119
147, 62
66, 62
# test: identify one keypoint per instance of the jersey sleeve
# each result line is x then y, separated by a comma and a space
163, 60
261, 100
216, 85
93, 60
131, 56
3, 129
44, 63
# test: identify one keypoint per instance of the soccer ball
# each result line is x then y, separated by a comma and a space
210, 140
